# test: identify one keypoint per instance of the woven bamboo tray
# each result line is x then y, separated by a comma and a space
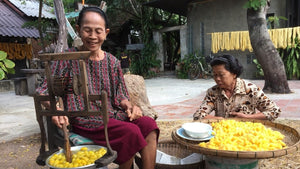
292, 140
173, 149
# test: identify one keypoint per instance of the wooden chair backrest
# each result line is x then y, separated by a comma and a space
52, 98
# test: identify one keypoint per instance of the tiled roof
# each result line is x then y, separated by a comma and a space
11, 24
31, 8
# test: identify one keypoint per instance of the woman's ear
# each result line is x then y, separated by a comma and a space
107, 31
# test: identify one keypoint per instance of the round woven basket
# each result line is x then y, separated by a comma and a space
173, 149
292, 140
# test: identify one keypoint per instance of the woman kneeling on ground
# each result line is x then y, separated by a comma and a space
234, 97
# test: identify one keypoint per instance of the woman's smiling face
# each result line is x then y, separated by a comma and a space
92, 31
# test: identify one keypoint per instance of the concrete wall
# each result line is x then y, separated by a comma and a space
183, 42
205, 17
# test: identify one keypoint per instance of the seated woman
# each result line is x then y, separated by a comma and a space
234, 97
129, 131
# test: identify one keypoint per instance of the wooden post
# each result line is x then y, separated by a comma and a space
84, 88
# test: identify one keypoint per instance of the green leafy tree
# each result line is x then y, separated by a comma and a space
6, 65
143, 21
43, 25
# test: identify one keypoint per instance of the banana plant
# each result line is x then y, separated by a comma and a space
6, 65
292, 59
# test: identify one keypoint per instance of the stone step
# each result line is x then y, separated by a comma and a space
6, 85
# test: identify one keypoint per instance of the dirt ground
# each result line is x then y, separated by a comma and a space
22, 152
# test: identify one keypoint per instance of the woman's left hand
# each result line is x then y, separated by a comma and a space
134, 113
239, 115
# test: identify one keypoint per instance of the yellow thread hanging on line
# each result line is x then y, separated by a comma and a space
17, 51
240, 40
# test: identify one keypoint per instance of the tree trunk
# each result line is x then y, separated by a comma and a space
266, 53
62, 43
40, 25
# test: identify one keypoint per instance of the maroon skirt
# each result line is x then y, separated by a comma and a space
127, 138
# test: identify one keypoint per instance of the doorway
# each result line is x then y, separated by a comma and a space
171, 41
172, 46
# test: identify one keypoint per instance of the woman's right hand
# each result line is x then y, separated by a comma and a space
60, 120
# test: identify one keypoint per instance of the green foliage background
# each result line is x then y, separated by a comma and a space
291, 59
6, 65
255, 4
144, 20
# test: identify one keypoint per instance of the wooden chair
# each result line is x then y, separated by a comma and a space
56, 90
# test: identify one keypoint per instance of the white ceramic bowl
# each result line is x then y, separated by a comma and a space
197, 129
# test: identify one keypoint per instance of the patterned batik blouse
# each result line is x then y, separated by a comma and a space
247, 98
105, 75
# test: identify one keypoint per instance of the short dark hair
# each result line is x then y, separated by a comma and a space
231, 63
92, 9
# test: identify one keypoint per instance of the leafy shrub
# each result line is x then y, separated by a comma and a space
6, 65
184, 64
142, 63
291, 59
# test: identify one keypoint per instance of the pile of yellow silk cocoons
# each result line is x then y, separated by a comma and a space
81, 158
244, 136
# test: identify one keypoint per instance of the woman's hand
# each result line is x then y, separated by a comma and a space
134, 113
213, 117
259, 115
239, 115
60, 120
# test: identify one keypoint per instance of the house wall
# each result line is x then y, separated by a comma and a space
205, 17
278, 7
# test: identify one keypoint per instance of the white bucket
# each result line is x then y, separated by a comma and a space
214, 162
